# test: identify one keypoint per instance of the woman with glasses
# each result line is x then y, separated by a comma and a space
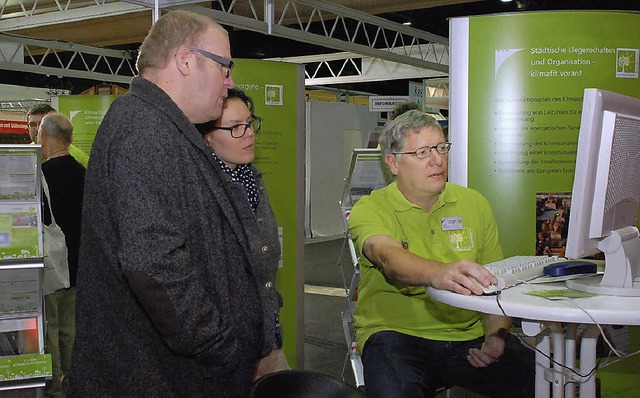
231, 139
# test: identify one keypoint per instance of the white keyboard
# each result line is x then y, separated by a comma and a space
514, 270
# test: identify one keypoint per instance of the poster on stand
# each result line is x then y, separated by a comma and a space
516, 91
517, 82
277, 90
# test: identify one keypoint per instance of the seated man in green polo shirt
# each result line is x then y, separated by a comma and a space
418, 231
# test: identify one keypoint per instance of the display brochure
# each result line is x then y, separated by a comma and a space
19, 232
20, 206
18, 291
18, 165
25, 367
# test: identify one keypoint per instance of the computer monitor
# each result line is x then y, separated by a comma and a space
606, 193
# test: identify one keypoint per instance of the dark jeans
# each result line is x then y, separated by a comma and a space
403, 366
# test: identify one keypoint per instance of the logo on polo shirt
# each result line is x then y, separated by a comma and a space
461, 240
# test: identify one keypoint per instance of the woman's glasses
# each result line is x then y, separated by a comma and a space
240, 129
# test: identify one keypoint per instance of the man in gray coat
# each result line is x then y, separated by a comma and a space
173, 299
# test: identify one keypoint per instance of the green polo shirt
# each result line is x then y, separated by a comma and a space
79, 155
459, 226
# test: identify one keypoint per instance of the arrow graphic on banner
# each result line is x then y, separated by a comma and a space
502, 55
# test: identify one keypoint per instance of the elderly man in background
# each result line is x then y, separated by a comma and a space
34, 117
65, 181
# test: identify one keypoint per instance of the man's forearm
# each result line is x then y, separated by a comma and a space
496, 325
401, 265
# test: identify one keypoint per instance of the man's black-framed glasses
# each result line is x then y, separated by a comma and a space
240, 129
226, 62
424, 152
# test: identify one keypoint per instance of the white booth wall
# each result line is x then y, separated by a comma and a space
333, 130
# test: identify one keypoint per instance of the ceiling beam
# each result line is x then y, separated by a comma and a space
65, 59
58, 17
346, 67
350, 30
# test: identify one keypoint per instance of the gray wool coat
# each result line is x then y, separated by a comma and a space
176, 281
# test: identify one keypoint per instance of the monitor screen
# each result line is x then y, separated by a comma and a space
606, 192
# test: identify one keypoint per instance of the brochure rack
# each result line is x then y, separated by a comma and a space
367, 172
24, 367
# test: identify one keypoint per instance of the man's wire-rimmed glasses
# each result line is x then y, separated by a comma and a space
226, 62
425, 151
240, 129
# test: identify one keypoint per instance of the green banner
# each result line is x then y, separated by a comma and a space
277, 91
527, 75
86, 113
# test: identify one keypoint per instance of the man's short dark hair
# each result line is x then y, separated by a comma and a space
41, 109
402, 107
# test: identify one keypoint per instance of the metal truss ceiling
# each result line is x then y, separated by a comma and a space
351, 68
65, 59
373, 48
23, 14
330, 25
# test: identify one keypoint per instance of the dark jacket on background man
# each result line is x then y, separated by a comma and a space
65, 179
176, 286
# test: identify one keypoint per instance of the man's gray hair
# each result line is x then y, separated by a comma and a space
58, 126
395, 132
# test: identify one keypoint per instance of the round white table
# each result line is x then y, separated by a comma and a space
543, 316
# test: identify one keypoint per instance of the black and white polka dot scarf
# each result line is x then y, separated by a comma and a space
243, 174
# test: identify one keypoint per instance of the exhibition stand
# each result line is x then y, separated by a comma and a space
24, 367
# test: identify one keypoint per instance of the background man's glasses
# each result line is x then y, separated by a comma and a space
226, 62
33, 125
425, 151
239, 130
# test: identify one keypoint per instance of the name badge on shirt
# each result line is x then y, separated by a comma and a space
451, 223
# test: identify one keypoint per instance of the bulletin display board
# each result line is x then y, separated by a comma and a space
23, 363
20, 208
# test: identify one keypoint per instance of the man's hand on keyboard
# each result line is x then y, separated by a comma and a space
459, 277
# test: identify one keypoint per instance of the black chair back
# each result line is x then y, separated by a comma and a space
302, 384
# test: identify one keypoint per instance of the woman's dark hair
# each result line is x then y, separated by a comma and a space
237, 93
205, 128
